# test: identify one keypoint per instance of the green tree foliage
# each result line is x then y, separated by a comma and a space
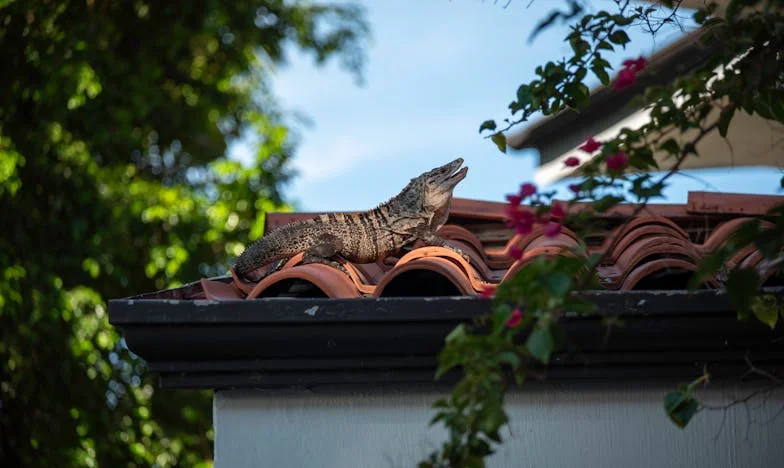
114, 124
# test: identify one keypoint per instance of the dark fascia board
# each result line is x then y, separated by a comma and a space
675, 60
286, 342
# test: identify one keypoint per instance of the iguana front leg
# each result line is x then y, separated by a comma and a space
432, 239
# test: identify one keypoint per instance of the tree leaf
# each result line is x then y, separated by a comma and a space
487, 125
500, 141
540, 344
725, 119
619, 37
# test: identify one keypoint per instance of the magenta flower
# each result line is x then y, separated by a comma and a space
488, 291
557, 211
626, 78
514, 319
636, 65
617, 161
590, 145
515, 253
552, 229
526, 190
514, 200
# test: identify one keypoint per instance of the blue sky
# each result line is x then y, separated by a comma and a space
436, 70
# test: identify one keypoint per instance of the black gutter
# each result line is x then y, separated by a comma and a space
282, 343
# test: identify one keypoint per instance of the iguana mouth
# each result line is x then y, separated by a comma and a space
456, 173
459, 175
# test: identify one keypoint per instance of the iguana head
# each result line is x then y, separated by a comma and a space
432, 190
439, 183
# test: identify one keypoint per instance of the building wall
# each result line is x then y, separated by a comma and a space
553, 426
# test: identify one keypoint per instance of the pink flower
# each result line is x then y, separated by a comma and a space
590, 145
514, 200
557, 211
574, 188
515, 253
526, 190
488, 291
524, 228
626, 78
617, 161
514, 319
552, 229
628, 74
635, 65
571, 161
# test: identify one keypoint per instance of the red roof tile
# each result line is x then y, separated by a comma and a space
660, 249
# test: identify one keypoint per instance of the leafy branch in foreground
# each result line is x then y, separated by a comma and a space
524, 329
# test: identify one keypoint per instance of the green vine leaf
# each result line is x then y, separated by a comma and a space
557, 283
680, 406
766, 309
742, 284
540, 344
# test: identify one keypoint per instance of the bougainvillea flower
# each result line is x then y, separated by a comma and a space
488, 291
617, 161
515, 253
571, 161
552, 229
557, 211
514, 318
524, 227
514, 200
626, 78
590, 145
527, 189
635, 65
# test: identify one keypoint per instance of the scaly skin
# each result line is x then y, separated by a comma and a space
416, 213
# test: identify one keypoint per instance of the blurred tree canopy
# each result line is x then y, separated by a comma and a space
114, 123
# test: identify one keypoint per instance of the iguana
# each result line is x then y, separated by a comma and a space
414, 214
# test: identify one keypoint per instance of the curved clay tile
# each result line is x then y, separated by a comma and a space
244, 286
532, 254
665, 225
373, 272
660, 246
441, 266
331, 281
638, 233
614, 271
650, 268
220, 291
459, 233
722, 233
522, 242
471, 273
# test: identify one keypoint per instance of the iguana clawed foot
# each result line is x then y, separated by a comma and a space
326, 261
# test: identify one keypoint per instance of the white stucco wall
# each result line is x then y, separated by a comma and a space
554, 426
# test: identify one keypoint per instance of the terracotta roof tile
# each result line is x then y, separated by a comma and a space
660, 249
